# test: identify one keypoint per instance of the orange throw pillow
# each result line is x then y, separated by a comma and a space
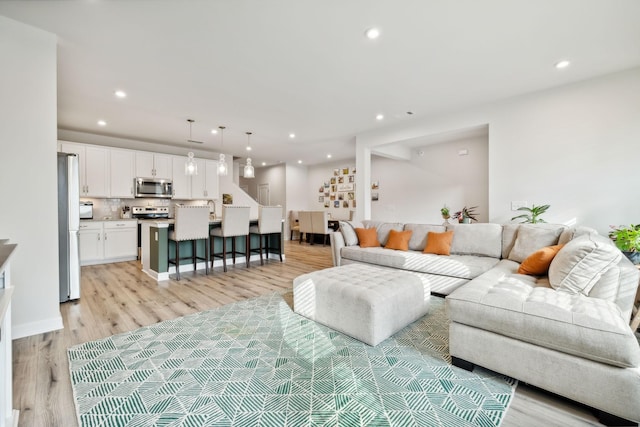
367, 237
398, 240
438, 243
537, 264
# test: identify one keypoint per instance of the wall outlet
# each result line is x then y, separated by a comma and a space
517, 205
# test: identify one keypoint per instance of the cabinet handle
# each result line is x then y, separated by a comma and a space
120, 225
98, 236
105, 236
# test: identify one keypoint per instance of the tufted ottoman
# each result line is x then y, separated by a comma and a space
365, 302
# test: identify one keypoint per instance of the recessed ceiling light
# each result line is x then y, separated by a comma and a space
562, 64
372, 33
214, 131
299, 162
102, 123
328, 156
120, 94
292, 135
380, 117
248, 148
264, 163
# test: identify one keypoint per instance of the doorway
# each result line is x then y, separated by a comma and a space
263, 194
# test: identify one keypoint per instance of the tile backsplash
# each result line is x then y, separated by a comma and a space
113, 208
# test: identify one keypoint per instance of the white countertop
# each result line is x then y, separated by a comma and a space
108, 219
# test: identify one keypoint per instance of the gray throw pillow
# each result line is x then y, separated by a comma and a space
531, 238
349, 233
582, 262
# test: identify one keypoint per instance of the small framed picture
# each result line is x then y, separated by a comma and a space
336, 204
321, 190
333, 180
352, 178
334, 188
326, 194
326, 184
351, 196
345, 171
340, 196
353, 171
321, 199
353, 203
345, 204
341, 180
327, 204
374, 197
336, 172
333, 196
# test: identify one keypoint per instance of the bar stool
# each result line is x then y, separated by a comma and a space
235, 223
269, 223
192, 223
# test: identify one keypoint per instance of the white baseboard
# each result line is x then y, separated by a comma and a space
35, 328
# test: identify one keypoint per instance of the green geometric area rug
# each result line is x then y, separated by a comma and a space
256, 363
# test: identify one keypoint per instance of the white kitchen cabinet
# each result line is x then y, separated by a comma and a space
91, 242
181, 181
121, 173
93, 168
103, 242
152, 165
204, 185
120, 239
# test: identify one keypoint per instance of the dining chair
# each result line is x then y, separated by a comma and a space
304, 217
235, 223
294, 224
320, 225
191, 224
269, 224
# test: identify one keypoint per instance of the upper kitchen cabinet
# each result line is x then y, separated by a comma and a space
151, 165
204, 185
122, 173
93, 168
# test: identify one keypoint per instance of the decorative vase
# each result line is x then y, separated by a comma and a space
466, 220
634, 257
446, 219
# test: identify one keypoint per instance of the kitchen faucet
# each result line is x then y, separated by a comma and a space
212, 204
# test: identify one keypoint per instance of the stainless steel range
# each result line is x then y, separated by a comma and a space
150, 212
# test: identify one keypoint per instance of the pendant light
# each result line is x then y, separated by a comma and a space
248, 168
223, 168
190, 166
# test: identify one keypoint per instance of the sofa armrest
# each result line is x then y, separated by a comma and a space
337, 243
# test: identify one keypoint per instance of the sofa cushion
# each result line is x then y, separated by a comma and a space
581, 263
383, 228
510, 232
516, 306
531, 237
367, 237
439, 243
482, 239
419, 234
537, 264
571, 233
460, 266
398, 240
348, 229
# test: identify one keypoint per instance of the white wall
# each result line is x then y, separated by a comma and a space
296, 192
28, 173
415, 190
275, 176
573, 147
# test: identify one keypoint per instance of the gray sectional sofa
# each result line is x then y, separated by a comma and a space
566, 332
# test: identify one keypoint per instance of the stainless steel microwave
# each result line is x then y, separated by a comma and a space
151, 187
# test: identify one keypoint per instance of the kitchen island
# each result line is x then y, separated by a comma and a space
156, 248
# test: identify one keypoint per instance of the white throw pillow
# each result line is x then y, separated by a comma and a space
582, 262
531, 238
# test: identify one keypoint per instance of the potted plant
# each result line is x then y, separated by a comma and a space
627, 239
466, 215
533, 215
444, 211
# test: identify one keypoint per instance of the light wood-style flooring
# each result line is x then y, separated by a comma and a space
119, 297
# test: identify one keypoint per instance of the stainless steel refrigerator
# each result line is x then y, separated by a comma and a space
68, 226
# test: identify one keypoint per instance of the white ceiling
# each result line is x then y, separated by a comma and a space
281, 66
